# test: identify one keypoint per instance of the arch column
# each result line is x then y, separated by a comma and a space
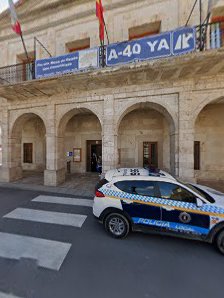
186, 144
11, 168
55, 170
109, 136
109, 148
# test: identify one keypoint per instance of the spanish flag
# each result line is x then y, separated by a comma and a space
99, 14
14, 20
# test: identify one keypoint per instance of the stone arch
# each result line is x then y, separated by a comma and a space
77, 128
147, 104
206, 101
20, 117
27, 133
67, 112
168, 131
71, 112
209, 140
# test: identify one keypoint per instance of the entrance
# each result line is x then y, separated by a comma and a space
94, 156
150, 154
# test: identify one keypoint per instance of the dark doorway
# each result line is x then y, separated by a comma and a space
150, 154
94, 156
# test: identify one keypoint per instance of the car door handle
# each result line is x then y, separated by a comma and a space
168, 208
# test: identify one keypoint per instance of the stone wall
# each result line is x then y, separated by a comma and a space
33, 131
143, 125
209, 130
79, 130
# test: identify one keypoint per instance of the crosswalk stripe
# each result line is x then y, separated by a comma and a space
63, 201
3, 295
48, 253
65, 219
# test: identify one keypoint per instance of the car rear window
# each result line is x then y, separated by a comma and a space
101, 183
143, 188
203, 193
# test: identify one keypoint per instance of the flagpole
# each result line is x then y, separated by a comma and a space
106, 31
36, 39
27, 57
200, 13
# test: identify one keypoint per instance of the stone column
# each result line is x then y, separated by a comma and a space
11, 168
55, 171
186, 142
109, 136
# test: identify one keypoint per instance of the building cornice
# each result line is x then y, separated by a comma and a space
53, 9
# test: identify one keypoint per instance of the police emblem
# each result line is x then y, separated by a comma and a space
185, 217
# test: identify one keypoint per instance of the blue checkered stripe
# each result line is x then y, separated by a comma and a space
185, 205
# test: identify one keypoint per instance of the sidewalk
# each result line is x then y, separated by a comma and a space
79, 185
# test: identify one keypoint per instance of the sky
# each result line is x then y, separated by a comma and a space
4, 4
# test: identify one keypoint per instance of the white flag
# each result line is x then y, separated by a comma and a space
14, 20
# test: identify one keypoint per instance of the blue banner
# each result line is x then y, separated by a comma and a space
77, 61
184, 41
56, 65
172, 43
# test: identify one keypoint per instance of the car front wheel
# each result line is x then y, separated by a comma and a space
117, 225
220, 241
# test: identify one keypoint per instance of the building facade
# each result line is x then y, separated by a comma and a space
166, 113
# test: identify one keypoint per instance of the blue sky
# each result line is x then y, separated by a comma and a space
4, 4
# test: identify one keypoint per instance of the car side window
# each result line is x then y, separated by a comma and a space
143, 188
171, 191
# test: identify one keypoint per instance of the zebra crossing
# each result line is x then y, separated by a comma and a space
47, 253
3, 295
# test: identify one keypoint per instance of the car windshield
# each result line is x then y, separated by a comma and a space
198, 191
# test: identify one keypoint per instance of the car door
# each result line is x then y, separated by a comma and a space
138, 200
180, 214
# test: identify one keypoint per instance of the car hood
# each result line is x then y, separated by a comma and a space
215, 194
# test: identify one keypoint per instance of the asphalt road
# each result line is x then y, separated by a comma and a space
96, 265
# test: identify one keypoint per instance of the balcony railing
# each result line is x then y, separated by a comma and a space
17, 73
209, 36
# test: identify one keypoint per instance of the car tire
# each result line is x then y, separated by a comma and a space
117, 225
220, 241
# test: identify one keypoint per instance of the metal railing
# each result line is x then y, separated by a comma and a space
17, 73
209, 36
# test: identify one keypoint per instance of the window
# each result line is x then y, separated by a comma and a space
150, 154
197, 155
144, 188
25, 69
28, 153
217, 31
144, 30
78, 45
175, 192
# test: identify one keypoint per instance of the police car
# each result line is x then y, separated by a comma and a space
159, 203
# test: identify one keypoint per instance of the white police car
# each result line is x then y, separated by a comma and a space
159, 204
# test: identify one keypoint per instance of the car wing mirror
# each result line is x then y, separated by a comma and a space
199, 202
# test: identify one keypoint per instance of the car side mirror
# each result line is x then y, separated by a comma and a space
199, 202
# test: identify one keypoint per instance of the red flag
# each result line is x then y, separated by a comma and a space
99, 14
14, 20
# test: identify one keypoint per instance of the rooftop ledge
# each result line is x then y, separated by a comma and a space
184, 67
